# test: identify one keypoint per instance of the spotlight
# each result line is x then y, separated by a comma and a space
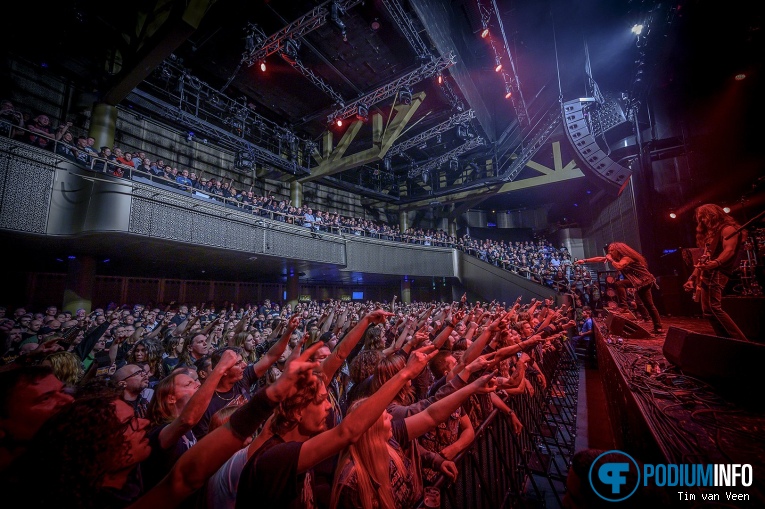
485, 32
440, 79
508, 92
498, 66
673, 215
263, 65
339, 122
637, 29
740, 77
362, 112
405, 96
336, 11
726, 210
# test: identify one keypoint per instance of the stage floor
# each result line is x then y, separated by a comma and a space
665, 416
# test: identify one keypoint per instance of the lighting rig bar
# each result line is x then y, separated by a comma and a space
260, 154
455, 152
539, 138
201, 107
430, 133
404, 22
519, 105
298, 66
295, 30
455, 102
424, 71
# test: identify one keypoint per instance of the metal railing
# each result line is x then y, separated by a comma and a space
505, 469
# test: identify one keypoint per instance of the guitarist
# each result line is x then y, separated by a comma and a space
717, 230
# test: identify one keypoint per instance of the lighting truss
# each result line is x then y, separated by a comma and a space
454, 100
295, 30
424, 71
228, 139
538, 138
443, 158
430, 133
404, 22
324, 87
520, 104
204, 109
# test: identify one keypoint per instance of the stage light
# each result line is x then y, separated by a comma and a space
637, 29
362, 112
440, 79
485, 32
726, 210
339, 122
498, 66
673, 215
740, 77
508, 92
405, 96
263, 65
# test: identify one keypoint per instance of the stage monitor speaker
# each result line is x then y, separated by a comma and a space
748, 311
723, 362
595, 162
619, 325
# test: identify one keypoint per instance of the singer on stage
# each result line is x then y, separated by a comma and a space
634, 268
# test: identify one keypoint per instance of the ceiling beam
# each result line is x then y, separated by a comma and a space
336, 161
545, 175
156, 42
435, 16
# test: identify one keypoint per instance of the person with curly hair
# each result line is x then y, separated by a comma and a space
716, 232
66, 366
93, 448
148, 353
634, 267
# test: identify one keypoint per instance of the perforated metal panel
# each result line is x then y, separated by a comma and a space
391, 258
26, 177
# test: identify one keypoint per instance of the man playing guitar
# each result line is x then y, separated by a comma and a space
717, 232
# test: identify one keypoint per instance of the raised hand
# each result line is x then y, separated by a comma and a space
379, 316
293, 323
297, 369
418, 360
228, 360
485, 384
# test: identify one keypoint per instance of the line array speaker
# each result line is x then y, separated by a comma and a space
595, 162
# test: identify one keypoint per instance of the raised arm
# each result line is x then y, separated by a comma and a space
332, 363
273, 353
195, 466
421, 422
329, 443
197, 404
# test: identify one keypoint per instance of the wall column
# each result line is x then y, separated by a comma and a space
403, 221
406, 291
296, 193
293, 288
103, 123
80, 280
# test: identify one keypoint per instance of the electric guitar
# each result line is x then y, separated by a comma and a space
703, 259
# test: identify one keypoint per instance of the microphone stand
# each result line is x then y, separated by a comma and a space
745, 225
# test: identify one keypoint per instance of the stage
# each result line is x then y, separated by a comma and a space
665, 416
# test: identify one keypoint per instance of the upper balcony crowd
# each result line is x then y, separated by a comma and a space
534, 259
